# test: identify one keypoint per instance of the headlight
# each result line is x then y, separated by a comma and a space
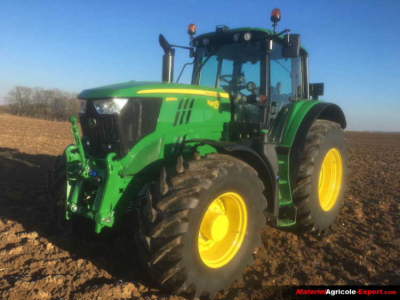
82, 109
110, 106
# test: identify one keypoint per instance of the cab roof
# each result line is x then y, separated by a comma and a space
224, 29
224, 34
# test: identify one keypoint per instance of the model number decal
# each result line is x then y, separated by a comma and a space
213, 103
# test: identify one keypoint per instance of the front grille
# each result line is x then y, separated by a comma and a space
119, 132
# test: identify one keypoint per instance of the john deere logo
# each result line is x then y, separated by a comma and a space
92, 123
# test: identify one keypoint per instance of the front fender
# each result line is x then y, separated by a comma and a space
265, 165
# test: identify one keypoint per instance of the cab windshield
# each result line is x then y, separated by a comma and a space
234, 67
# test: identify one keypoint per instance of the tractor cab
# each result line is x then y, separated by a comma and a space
261, 70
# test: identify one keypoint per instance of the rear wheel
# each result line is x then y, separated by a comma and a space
200, 226
321, 177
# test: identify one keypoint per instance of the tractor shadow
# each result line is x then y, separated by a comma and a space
23, 199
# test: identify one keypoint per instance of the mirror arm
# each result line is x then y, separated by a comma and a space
282, 32
182, 47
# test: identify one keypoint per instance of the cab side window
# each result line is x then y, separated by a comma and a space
285, 78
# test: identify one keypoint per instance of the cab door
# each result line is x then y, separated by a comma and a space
285, 87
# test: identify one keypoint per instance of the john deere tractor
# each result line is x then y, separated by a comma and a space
200, 168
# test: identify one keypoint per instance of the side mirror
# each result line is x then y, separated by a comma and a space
291, 46
316, 90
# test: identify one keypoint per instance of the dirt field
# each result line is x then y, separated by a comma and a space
35, 263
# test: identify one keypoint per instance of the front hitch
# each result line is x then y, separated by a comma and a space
85, 169
104, 173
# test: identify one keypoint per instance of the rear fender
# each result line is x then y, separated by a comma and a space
304, 114
295, 139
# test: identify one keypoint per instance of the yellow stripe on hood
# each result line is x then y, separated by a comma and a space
185, 91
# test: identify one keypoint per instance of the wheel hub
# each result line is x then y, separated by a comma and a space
222, 230
215, 227
330, 179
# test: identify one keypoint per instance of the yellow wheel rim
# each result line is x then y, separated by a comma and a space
330, 179
222, 230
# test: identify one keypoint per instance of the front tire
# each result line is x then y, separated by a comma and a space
197, 234
321, 178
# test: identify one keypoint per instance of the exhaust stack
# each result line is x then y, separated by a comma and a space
168, 60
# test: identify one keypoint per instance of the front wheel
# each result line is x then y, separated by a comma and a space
321, 177
200, 234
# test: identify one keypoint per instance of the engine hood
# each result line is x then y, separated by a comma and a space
143, 89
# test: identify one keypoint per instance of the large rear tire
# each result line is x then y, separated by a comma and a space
321, 177
201, 224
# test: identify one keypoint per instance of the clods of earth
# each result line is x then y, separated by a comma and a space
37, 262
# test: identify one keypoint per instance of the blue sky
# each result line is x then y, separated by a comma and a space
354, 45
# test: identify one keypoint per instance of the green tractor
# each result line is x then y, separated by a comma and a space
201, 168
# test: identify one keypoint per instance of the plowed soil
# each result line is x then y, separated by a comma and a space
37, 263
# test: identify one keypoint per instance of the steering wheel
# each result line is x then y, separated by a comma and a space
251, 87
226, 78
234, 87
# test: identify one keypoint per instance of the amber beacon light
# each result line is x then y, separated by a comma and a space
192, 28
275, 17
